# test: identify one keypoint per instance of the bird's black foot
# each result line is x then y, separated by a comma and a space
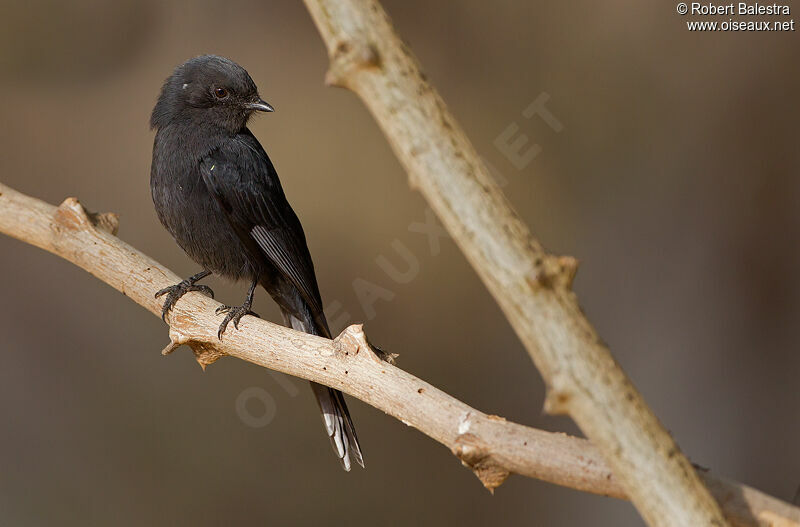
233, 314
175, 292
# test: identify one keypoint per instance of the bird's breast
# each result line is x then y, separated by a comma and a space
190, 212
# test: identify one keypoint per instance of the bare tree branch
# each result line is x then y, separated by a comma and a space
491, 446
532, 287
347, 363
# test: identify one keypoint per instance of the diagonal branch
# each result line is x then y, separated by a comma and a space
491, 446
532, 287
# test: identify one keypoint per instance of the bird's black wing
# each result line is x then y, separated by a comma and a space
239, 174
241, 177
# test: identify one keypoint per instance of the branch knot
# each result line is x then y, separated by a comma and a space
347, 58
474, 454
554, 272
353, 341
204, 353
73, 216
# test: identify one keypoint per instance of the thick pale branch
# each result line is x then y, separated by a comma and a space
492, 447
531, 286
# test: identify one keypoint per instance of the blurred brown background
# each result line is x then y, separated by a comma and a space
674, 181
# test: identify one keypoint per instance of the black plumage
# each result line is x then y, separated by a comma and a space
216, 191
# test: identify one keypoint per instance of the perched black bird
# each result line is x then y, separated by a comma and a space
217, 193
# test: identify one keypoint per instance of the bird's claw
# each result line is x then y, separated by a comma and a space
175, 292
233, 314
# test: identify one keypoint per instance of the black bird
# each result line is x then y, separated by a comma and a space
216, 191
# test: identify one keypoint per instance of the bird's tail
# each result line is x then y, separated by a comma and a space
338, 425
335, 415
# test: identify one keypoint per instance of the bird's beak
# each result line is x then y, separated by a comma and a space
260, 106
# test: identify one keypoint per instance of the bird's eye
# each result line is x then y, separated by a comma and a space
220, 93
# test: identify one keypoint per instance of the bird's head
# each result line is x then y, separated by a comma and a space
211, 90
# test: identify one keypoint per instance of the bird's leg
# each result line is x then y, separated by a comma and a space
235, 314
175, 292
